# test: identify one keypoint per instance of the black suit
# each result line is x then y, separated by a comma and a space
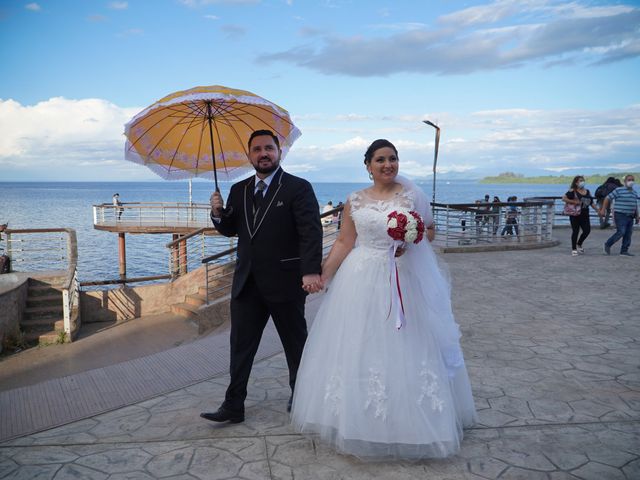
276, 246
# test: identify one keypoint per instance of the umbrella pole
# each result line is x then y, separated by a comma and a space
213, 153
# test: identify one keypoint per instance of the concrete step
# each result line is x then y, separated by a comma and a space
43, 338
43, 290
185, 309
44, 300
51, 311
40, 324
196, 299
56, 281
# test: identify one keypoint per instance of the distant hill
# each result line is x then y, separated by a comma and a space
510, 177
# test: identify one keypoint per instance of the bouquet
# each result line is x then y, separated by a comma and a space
405, 226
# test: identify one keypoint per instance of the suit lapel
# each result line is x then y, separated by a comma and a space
248, 204
267, 202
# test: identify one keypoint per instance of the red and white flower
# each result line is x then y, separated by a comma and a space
405, 226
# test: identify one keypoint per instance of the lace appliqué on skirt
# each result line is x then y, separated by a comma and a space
376, 395
333, 394
429, 388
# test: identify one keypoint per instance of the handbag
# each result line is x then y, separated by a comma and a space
572, 210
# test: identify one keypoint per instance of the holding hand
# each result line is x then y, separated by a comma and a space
312, 283
217, 204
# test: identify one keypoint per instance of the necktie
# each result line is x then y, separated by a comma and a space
259, 195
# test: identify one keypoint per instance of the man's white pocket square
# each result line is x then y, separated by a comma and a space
280, 203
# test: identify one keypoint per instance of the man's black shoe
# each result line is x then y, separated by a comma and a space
289, 403
223, 415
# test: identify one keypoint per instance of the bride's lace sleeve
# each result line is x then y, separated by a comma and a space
355, 201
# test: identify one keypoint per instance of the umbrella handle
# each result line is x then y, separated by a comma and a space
213, 151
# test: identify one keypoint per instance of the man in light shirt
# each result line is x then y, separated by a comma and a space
625, 210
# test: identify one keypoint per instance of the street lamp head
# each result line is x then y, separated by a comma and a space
431, 123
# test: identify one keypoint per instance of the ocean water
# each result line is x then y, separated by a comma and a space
69, 204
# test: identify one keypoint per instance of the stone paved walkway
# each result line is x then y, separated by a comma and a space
552, 347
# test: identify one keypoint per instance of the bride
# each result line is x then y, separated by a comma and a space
367, 385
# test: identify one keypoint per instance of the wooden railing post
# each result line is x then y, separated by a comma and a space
122, 255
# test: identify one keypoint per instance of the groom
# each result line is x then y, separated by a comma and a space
277, 220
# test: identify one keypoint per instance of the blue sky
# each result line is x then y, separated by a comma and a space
531, 86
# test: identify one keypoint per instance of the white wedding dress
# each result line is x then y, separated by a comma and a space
367, 388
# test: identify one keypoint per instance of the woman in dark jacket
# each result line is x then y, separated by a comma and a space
579, 195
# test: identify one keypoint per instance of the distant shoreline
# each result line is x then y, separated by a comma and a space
506, 178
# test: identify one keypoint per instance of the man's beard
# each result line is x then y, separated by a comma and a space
272, 168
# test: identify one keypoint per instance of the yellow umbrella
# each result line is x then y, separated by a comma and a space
203, 132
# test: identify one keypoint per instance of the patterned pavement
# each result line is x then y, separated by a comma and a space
552, 347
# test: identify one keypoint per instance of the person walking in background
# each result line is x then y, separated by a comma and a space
276, 218
487, 208
337, 216
326, 221
600, 194
625, 209
118, 204
495, 215
478, 218
580, 196
511, 218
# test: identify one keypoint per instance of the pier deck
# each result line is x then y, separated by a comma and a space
551, 341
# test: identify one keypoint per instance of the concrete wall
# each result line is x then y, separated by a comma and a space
212, 316
14, 288
126, 302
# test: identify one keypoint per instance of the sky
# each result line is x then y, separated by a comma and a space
535, 87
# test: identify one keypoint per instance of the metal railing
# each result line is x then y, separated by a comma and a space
187, 252
35, 250
49, 250
560, 219
471, 224
195, 215
219, 267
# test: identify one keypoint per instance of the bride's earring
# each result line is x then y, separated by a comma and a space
370, 175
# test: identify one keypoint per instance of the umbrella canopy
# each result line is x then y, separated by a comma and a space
203, 132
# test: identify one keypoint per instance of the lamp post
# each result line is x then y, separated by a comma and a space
435, 159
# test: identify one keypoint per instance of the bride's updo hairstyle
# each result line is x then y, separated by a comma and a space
380, 143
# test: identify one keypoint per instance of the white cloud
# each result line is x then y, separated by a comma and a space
233, 31
118, 5
499, 35
34, 7
484, 142
559, 169
490, 13
80, 137
61, 133
399, 26
212, 17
